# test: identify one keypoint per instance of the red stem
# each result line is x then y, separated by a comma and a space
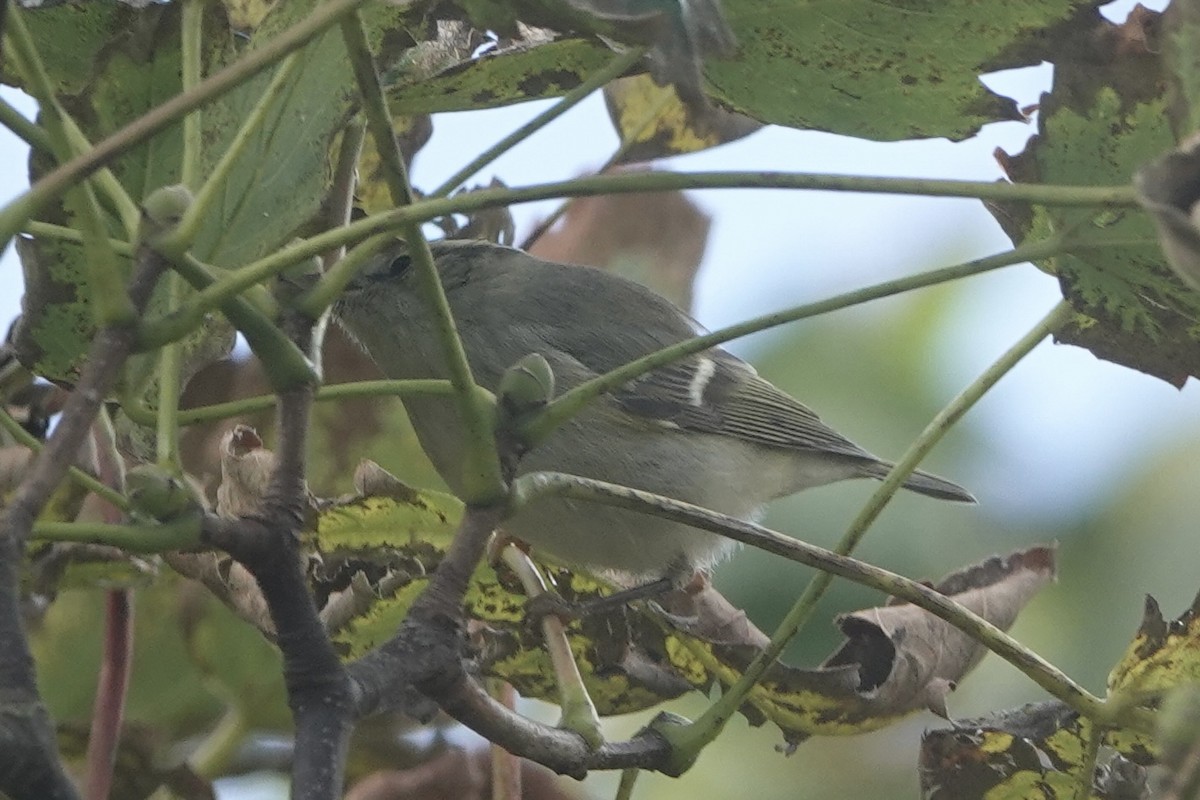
111, 688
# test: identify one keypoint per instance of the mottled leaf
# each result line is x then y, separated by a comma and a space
1162, 654
1034, 752
678, 33
500, 77
896, 69
375, 553
654, 123
1105, 118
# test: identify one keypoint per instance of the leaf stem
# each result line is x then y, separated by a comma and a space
133, 538
481, 466
284, 364
383, 388
170, 384
628, 781
25, 129
46, 230
534, 486
190, 37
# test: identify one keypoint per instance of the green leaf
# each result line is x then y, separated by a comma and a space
125, 63
883, 70
522, 73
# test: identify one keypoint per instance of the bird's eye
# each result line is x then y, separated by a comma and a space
400, 265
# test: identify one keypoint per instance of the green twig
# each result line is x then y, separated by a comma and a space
704, 730
136, 408
283, 363
633, 182
538, 485
80, 477
628, 781
25, 129
191, 35
53, 185
212, 757
569, 403
181, 238
481, 466
578, 711
614, 69
425, 210
338, 391
627, 141
46, 230
170, 384
326, 291
105, 182
379, 121
133, 538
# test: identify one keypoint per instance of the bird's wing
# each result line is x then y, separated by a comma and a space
716, 392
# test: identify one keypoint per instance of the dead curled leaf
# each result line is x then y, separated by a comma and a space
908, 658
246, 468
897, 659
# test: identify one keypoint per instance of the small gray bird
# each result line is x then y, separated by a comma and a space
707, 430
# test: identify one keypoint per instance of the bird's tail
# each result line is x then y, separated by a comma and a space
924, 483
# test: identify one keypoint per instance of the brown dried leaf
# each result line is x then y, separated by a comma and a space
625, 234
246, 468
705, 613
910, 659
897, 659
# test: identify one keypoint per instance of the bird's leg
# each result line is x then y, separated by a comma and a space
552, 603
